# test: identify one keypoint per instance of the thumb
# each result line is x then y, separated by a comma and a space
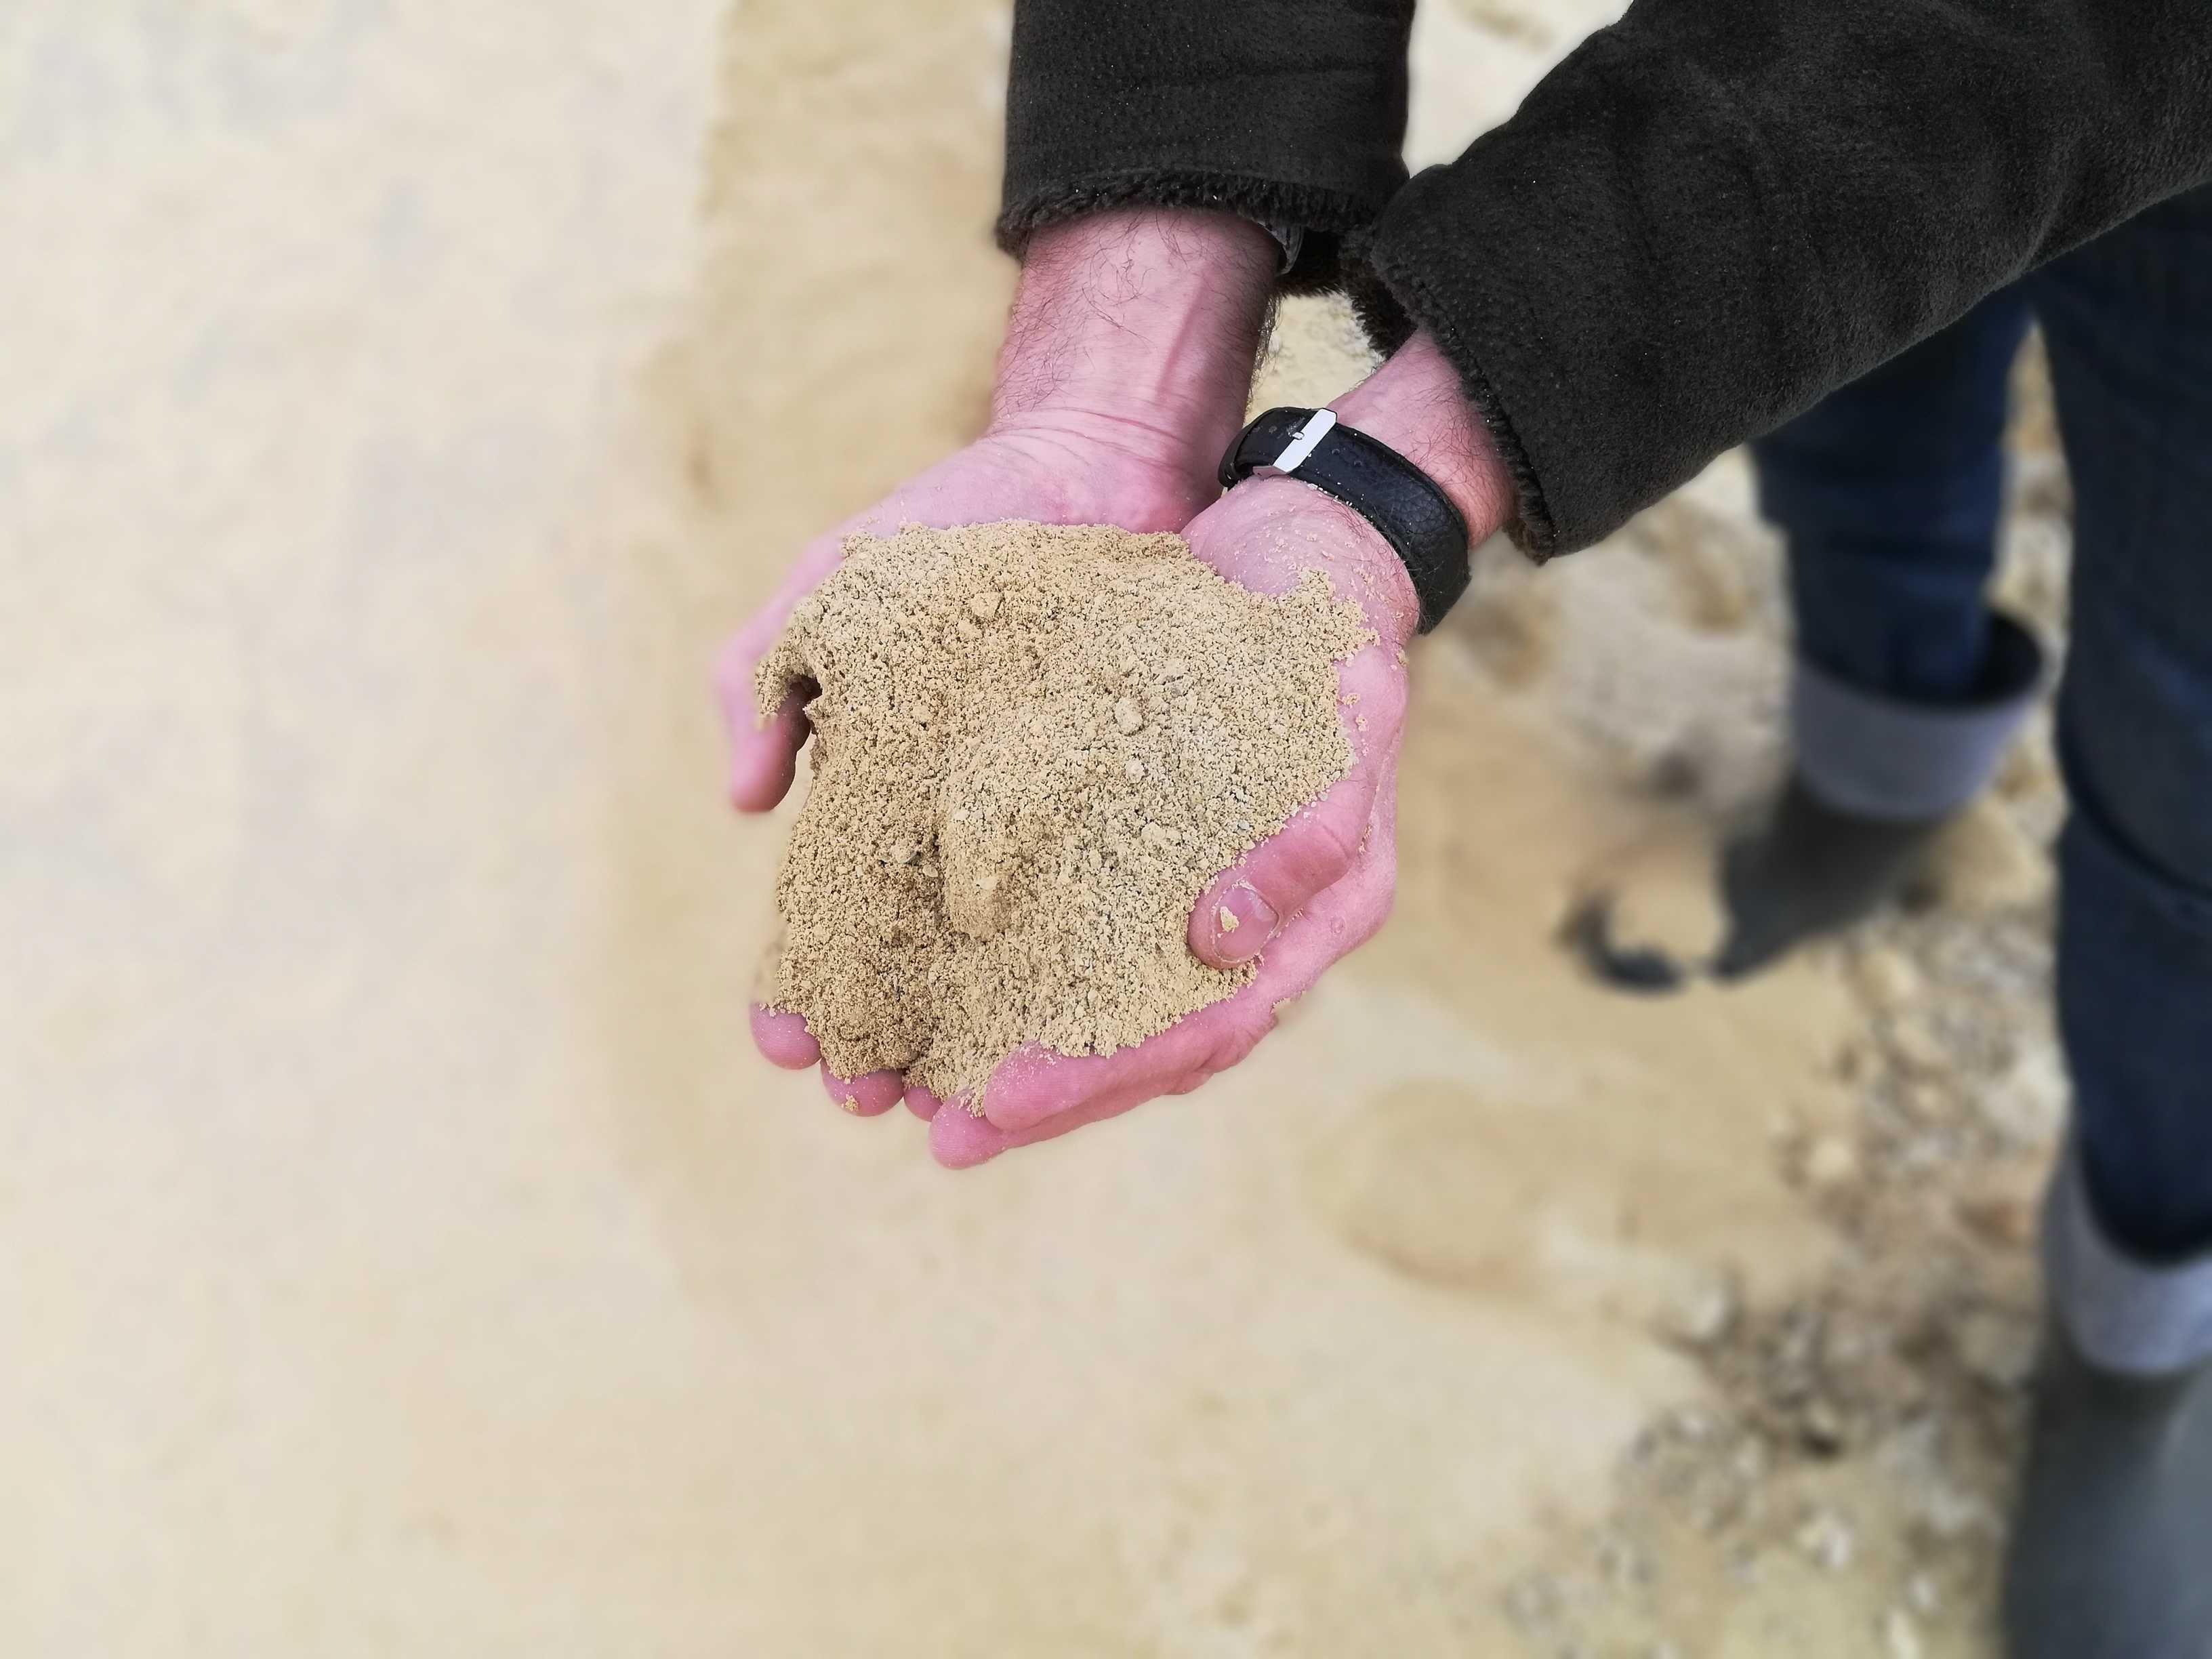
1246, 905
764, 753
1248, 902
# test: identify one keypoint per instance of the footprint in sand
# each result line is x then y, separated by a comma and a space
1509, 1202
1441, 1185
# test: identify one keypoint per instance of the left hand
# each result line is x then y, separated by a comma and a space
1310, 895
1322, 885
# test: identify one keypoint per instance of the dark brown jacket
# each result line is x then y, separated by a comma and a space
1710, 214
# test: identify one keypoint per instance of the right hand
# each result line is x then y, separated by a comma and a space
1054, 474
1321, 885
1127, 361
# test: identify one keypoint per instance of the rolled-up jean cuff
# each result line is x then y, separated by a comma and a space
2139, 1318
1881, 757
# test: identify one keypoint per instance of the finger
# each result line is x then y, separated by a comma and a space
922, 1102
870, 1095
1219, 1044
959, 1140
763, 756
784, 1039
1175, 1062
764, 759
1035, 1088
1035, 1085
1244, 907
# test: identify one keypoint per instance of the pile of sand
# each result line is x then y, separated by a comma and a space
1034, 747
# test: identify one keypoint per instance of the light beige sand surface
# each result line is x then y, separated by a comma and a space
401, 1250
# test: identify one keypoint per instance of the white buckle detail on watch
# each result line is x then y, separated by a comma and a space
1308, 439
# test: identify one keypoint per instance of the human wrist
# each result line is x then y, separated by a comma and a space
1138, 328
1415, 404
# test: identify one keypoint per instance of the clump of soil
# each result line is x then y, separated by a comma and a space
1034, 747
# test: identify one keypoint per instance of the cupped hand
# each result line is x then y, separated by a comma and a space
1055, 470
1055, 473
1303, 899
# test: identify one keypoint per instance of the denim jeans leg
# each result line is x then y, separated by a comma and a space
2129, 323
1888, 492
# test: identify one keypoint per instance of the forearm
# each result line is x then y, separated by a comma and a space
1139, 327
1415, 404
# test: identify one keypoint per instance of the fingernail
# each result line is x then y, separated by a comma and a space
1242, 924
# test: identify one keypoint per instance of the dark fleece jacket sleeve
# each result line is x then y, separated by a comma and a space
1716, 210
1290, 112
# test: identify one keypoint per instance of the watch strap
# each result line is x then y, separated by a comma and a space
1374, 481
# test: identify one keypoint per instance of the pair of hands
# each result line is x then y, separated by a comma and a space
1127, 368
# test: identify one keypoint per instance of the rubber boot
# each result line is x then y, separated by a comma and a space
2111, 1555
1877, 781
1814, 869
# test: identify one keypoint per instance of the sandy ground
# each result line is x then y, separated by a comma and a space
401, 1250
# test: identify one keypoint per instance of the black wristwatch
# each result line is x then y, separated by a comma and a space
1374, 481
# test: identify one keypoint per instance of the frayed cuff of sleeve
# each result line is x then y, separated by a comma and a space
1323, 218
